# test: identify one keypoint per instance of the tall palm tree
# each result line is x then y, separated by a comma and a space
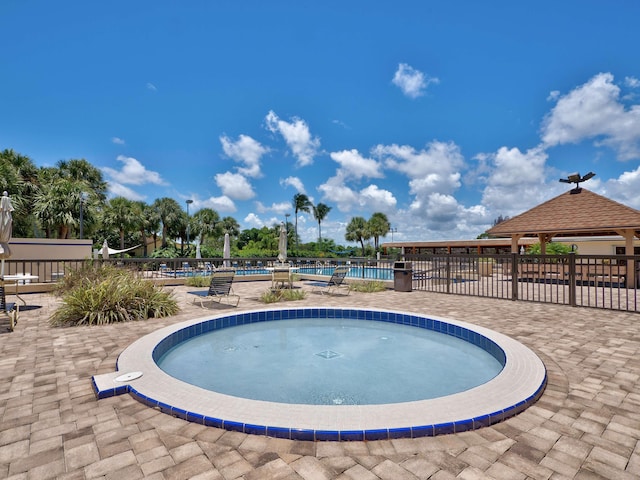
379, 226
120, 214
358, 231
231, 226
147, 222
170, 216
301, 203
320, 212
81, 171
205, 222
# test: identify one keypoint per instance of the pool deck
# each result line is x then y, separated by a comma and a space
585, 426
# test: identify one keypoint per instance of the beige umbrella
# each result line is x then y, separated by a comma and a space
105, 250
282, 244
6, 223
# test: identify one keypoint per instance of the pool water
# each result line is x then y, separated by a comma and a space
330, 361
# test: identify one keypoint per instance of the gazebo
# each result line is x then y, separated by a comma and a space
578, 212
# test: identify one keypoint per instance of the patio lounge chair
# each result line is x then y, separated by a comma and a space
9, 310
335, 283
219, 288
281, 276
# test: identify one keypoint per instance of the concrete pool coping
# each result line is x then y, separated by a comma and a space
519, 384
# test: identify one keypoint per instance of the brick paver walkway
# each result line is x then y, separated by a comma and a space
585, 426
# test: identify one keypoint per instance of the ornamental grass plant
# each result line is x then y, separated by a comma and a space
104, 294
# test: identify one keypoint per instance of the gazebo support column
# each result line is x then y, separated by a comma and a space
544, 238
514, 242
629, 236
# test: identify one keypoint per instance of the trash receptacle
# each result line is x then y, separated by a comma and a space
402, 276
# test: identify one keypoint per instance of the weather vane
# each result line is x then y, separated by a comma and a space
576, 178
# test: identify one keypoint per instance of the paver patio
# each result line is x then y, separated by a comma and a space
585, 426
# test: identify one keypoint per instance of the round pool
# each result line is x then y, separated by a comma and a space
519, 383
330, 361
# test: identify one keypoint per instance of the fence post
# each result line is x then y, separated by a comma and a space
572, 279
515, 261
448, 270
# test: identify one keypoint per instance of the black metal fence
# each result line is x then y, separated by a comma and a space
600, 281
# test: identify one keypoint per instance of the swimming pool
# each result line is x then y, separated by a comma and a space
331, 361
369, 273
519, 384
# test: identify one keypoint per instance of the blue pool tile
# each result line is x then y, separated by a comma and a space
381, 434
278, 432
255, 429
213, 422
351, 435
180, 413
444, 428
327, 435
463, 425
301, 434
195, 418
233, 426
482, 421
421, 431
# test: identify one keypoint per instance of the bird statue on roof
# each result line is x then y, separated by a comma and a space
576, 178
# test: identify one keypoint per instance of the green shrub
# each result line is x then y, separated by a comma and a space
106, 295
369, 286
282, 295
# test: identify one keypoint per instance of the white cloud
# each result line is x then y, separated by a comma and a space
119, 190
297, 136
234, 185
280, 208
432, 170
515, 180
133, 173
253, 221
593, 111
117, 141
222, 204
377, 200
631, 82
247, 151
624, 189
412, 82
294, 182
335, 191
356, 166
151, 86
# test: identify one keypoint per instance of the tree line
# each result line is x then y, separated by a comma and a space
70, 201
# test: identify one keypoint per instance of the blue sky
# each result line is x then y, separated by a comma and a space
443, 115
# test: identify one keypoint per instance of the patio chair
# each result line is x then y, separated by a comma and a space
281, 276
219, 288
335, 283
10, 310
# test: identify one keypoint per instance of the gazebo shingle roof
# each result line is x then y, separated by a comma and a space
572, 214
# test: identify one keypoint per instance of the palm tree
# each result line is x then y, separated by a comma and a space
170, 215
55, 204
379, 226
358, 231
301, 203
120, 214
204, 223
81, 171
231, 226
320, 211
18, 176
147, 222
